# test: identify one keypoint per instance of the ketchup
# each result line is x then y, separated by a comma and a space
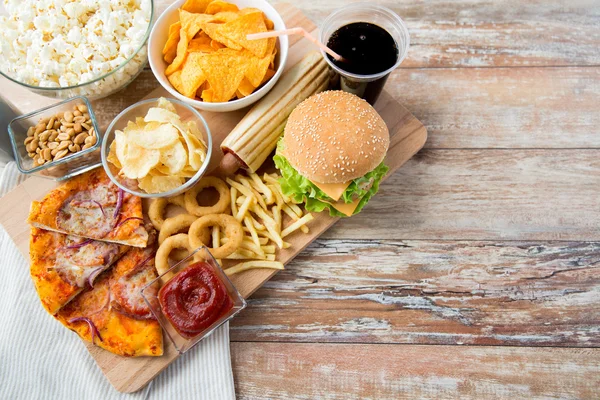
194, 299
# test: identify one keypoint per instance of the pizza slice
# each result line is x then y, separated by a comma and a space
92, 206
113, 314
63, 266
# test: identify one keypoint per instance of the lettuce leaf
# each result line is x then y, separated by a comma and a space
301, 189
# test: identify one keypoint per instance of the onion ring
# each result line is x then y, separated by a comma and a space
179, 241
191, 202
157, 209
179, 224
231, 226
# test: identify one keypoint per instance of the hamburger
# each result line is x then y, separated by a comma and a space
331, 153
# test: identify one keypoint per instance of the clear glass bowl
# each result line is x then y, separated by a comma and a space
140, 109
150, 295
101, 86
67, 167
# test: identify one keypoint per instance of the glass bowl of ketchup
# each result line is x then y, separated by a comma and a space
192, 299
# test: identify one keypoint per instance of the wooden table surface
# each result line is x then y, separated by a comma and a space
475, 272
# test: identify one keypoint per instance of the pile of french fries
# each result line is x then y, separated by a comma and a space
259, 204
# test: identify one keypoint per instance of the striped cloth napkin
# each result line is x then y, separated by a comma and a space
41, 359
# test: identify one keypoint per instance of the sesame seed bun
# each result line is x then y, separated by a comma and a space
335, 137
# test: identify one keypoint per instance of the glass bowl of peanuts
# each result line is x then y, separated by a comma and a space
57, 142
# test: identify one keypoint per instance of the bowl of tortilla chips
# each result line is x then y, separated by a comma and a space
199, 52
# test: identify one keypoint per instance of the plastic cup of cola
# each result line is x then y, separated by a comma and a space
368, 86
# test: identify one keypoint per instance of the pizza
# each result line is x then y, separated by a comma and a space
92, 206
63, 266
113, 314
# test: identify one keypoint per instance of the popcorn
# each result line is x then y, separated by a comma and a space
63, 43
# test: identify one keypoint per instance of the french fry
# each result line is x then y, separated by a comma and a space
262, 188
216, 236
296, 225
268, 249
277, 218
253, 232
244, 208
244, 266
269, 224
258, 196
233, 192
241, 188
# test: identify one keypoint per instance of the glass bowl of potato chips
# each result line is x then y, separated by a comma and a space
199, 52
157, 148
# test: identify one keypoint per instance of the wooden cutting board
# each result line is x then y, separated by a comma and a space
408, 135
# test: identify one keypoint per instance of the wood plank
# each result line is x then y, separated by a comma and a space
461, 108
431, 292
503, 107
342, 371
485, 195
477, 33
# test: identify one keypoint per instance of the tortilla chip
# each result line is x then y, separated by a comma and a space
181, 53
196, 6
218, 6
216, 45
200, 45
170, 49
269, 24
268, 75
207, 95
212, 30
237, 30
193, 23
258, 66
175, 79
191, 75
224, 70
225, 16
245, 88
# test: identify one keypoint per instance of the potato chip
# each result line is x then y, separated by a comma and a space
156, 171
219, 6
112, 154
181, 53
174, 158
224, 70
237, 30
196, 6
165, 104
191, 74
162, 136
160, 184
138, 161
193, 144
212, 30
159, 150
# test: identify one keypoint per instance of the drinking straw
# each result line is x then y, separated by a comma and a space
294, 31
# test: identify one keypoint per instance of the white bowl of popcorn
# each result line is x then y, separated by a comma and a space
66, 48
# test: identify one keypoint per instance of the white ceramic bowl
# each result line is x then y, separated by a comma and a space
158, 38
